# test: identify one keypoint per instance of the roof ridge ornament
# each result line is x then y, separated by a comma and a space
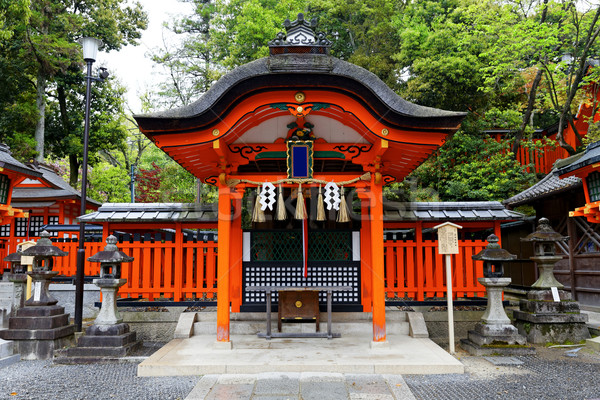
300, 37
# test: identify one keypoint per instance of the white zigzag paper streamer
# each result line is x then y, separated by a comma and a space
267, 196
332, 196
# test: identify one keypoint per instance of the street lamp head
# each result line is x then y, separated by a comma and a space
103, 73
90, 48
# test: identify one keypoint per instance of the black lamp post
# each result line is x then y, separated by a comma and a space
90, 51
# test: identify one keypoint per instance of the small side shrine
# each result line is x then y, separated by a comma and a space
12, 173
291, 129
586, 166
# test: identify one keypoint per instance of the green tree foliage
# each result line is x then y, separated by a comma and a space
473, 167
44, 74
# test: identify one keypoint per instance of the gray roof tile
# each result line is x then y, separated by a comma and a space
551, 184
152, 212
453, 211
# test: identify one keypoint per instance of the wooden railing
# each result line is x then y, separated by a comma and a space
420, 273
188, 270
161, 269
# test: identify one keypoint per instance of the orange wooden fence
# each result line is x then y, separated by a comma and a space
161, 269
187, 270
420, 273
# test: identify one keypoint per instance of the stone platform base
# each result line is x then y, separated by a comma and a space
491, 350
7, 353
539, 333
542, 320
101, 343
39, 330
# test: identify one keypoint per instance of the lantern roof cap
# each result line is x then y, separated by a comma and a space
544, 233
111, 253
14, 257
493, 251
43, 247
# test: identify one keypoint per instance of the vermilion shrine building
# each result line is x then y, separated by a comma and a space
301, 116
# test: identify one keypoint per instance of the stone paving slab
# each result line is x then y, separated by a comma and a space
349, 354
301, 386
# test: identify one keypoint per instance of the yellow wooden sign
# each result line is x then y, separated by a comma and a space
448, 238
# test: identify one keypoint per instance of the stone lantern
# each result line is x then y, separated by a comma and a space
549, 314
41, 326
18, 276
495, 334
108, 338
544, 240
110, 281
43, 254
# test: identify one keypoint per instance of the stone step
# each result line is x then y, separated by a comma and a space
40, 311
33, 323
7, 353
106, 341
253, 327
37, 334
390, 315
86, 355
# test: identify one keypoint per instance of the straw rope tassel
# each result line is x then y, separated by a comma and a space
320, 206
300, 208
343, 215
280, 215
258, 215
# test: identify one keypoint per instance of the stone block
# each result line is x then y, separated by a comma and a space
40, 311
92, 354
499, 340
6, 348
107, 330
551, 307
593, 343
477, 350
552, 332
38, 334
41, 349
106, 341
496, 330
546, 295
185, 325
550, 318
47, 322
417, 326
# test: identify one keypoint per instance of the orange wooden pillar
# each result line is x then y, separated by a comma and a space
235, 255
378, 278
366, 263
224, 227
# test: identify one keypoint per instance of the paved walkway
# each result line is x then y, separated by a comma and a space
305, 386
551, 374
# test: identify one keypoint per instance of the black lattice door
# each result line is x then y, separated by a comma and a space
276, 259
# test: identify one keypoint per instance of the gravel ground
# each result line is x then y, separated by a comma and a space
41, 380
550, 374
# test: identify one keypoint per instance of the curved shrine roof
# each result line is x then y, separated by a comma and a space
360, 124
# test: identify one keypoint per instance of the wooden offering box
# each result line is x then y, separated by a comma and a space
298, 305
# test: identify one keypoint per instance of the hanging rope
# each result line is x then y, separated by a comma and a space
281, 214
343, 215
320, 206
364, 177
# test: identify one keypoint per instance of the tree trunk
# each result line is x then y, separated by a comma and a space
74, 170
528, 111
40, 103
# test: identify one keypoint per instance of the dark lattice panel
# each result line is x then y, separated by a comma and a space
4, 186
286, 245
35, 223
5, 230
290, 274
53, 220
593, 183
